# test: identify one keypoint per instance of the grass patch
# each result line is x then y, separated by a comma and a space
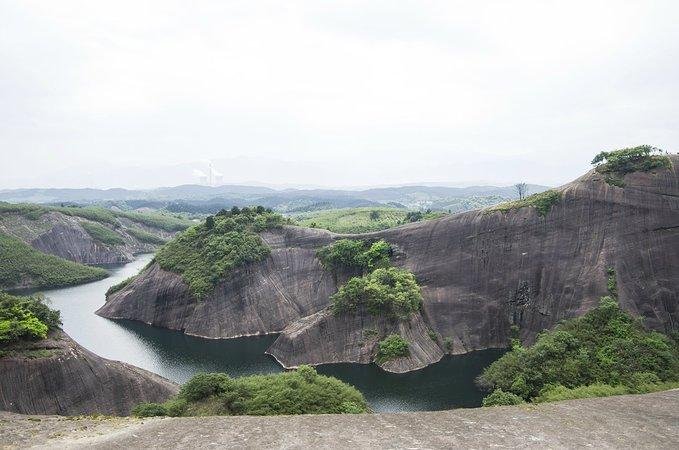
392, 347
302, 391
206, 253
22, 265
146, 237
119, 286
102, 234
542, 202
361, 220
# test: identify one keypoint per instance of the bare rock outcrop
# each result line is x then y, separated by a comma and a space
327, 338
58, 376
481, 273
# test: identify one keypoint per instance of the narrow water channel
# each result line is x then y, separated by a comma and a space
447, 384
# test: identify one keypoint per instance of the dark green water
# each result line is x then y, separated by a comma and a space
447, 384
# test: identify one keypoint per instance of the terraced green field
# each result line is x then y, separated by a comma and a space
357, 220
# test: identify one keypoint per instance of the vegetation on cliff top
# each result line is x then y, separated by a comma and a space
606, 350
355, 256
389, 291
25, 318
23, 265
614, 165
146, 237
542, 202
302, 391
206, 253
363, 219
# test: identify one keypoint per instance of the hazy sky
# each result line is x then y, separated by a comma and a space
140, 93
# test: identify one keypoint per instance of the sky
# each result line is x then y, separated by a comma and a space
141, 94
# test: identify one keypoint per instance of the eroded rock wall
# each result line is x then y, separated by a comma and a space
73, 381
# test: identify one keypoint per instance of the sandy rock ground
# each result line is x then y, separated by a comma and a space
630, 421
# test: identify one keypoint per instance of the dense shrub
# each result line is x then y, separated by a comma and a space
389, 291
605, 346
298, 392
392, 347
25, 318
203, 256
149, 410
146, 237
542, 202
102, 234
22, 264
627, 160
355, 256
501, 398
27, 210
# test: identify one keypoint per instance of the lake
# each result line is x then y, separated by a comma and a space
445, 385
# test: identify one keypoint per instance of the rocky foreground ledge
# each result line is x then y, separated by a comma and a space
629, 421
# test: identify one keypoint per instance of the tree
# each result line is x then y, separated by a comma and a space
374, 215
521, 189
209, 222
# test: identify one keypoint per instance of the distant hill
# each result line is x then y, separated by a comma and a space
208, 200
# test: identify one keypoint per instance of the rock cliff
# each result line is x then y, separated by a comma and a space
481, 273
58, 376
63, 235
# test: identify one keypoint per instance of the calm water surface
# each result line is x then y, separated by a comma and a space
447, 384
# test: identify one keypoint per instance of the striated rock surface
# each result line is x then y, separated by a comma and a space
256, 299
64, 236
327, 338
481, 272
66, 379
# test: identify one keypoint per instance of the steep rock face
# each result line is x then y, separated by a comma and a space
259, 298
481, 272
63, 235
327, 338
73, 380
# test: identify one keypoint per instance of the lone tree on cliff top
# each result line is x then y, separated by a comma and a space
521, 190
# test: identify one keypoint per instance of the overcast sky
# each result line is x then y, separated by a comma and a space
142, 93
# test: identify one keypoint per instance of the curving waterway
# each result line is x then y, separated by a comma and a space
444, 385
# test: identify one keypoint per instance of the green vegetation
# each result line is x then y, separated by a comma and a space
204, 255
23, 265
559, 392
145, 237
606, 346
302, 391
392, 347
542, 202
389, 291
102, 234
98, 214
501, 398
361, 220
617, 163
25, 318
156, 220
355, 256
118, 286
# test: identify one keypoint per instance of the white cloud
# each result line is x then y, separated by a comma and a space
428, 84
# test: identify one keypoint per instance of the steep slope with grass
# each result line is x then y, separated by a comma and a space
527, 264
23, 267
88, 235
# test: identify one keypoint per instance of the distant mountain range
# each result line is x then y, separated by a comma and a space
207, 199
